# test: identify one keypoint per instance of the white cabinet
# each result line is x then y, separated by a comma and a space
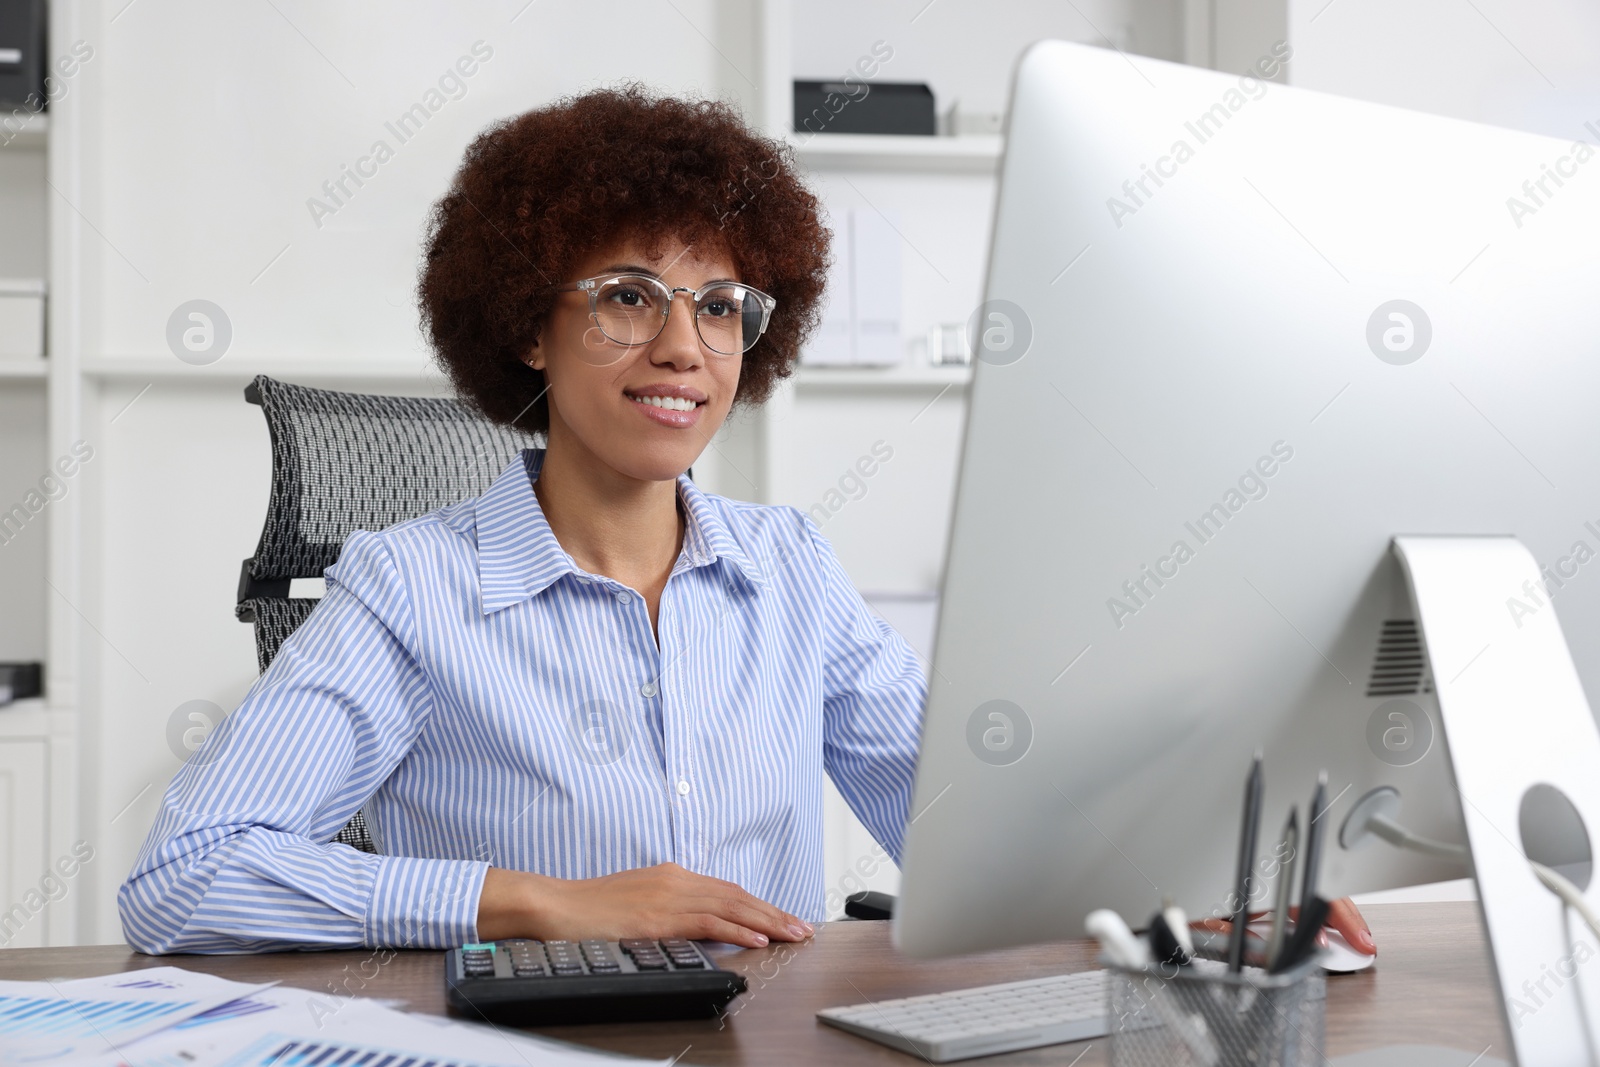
27, 882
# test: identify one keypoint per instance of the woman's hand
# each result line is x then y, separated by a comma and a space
1343, 916
661, 901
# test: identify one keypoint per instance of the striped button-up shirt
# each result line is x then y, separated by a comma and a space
486, 702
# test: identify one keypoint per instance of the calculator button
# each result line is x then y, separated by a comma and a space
527, 972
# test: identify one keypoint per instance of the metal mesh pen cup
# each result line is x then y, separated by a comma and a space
1202, 1016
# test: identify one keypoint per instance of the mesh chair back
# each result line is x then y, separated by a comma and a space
349, 461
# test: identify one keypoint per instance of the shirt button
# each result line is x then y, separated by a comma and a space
624, 597
683, 788
648, 689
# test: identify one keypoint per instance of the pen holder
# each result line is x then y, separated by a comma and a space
1203, 1016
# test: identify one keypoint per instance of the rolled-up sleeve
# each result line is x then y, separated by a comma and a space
874, 690
241, 855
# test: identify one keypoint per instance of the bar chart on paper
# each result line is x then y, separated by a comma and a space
58, 1022
42, 1018
278, 1050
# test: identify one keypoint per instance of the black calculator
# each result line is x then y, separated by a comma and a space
550, 983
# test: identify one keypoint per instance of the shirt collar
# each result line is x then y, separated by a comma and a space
519, 556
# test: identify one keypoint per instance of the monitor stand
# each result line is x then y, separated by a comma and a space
1526, 756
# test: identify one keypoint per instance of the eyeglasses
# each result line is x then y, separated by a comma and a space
632, 309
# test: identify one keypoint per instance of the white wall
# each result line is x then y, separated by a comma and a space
1527, 64
217, 123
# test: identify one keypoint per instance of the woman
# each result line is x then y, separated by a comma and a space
595, 701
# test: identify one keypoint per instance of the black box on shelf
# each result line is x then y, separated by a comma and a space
18, 681
859, 106
22, 57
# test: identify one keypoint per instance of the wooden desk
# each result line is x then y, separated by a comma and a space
1431, 986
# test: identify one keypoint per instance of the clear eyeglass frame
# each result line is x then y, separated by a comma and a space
593, 286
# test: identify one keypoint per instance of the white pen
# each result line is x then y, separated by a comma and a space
1117, 940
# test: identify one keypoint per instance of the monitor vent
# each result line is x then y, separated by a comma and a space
1400, 667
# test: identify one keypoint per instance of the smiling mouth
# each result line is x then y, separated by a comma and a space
669, 403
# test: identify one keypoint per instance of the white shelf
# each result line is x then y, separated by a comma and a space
122, 368
902, 377
26, 369
971, 153
144, 368
25, 718
34, 134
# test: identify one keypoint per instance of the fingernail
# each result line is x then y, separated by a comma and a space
797, 931
761, 939
809, 928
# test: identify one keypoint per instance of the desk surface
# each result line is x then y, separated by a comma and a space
1431, 985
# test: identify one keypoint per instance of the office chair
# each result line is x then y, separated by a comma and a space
350, 461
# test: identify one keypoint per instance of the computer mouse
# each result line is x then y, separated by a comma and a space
1338, 957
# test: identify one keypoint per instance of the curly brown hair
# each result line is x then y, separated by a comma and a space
538, 192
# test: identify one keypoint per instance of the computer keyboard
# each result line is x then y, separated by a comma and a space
983, 1020
554, 982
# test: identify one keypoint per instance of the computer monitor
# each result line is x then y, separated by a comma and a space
1236, 338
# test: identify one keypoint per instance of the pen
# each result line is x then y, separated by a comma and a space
1247, 860
1303, 942
1318, 808
1280, 911
1178, 923
1166, 946
1118, 943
